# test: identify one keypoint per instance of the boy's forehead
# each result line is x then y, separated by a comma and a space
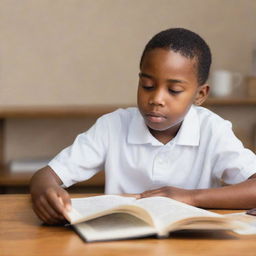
166, 60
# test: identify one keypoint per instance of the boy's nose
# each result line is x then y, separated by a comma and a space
157, 99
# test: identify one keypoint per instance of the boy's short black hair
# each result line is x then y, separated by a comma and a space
188, 44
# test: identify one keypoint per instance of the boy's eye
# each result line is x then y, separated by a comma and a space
174, 91
147, 87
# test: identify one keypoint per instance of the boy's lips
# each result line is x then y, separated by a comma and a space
155, 117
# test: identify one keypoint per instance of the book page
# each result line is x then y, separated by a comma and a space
82, 208
248, 221
114, 226
165, 211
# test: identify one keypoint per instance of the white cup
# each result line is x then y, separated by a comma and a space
223, 82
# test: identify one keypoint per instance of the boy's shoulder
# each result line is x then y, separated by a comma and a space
125, 113
207, 114
209, 119
121, 116
201, 124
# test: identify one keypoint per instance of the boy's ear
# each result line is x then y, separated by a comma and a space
202, 94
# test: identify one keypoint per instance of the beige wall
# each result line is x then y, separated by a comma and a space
61, 52
87, 51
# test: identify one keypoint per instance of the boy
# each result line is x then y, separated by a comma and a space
169, 146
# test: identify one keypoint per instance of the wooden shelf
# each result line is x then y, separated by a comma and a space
230, 102
96, 110
16, 179
57, 111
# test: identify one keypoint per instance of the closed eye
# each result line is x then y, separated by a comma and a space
174, 91
147, 87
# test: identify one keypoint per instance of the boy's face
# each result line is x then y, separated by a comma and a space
168, 86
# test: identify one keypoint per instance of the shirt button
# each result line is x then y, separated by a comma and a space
160, 160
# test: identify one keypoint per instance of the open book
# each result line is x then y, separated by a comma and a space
111, 217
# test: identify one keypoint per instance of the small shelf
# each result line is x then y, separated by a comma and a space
57, 111
66, 111
18, 179
242, 101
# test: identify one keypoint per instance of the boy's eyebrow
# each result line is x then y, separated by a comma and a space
145, 75
168, 80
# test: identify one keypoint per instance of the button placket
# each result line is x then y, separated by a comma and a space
161, 165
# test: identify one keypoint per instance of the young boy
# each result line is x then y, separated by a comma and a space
168, 146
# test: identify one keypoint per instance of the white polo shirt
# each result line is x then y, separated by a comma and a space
204, 152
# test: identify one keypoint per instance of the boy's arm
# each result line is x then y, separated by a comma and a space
49, 200
238, 196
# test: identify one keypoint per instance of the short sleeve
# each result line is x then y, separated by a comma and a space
232, 162
85, 157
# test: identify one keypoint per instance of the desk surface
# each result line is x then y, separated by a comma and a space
21, 233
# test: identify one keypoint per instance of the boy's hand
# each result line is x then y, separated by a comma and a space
51, 205
183, 195
50, 201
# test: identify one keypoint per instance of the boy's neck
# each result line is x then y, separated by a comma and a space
167, 135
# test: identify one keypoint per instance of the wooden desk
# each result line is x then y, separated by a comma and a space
21, 233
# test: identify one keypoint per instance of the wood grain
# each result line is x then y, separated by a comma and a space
22, 233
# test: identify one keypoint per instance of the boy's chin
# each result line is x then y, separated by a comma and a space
163, 127
157, 128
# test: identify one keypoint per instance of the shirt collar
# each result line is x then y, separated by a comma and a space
138, 132
188, 134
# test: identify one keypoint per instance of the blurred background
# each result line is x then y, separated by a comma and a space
65, 54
